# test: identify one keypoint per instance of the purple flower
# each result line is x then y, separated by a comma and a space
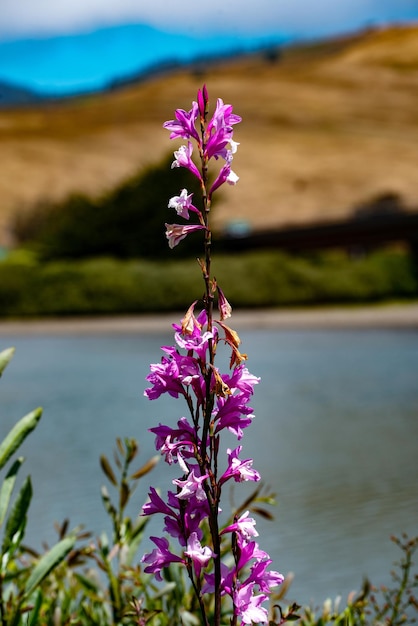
183, 204
233, 413
228, 577
239, 470
192, 515
196, 342
219, 132
214, 401
160, 557
223, 117
184, 124
225, 175
202, 99
164, 379
248, 550
156, 504
216, 145
176, 232
172, 375
184, 432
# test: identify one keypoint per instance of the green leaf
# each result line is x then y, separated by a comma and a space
7, 488
5, 358
107, 469
87, 583
124, 494
168, 588
135, 540
108, 504
18, 434
48, 562
34, 614
149, 465
16, 522
189, 619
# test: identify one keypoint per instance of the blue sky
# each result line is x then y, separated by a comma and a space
81, 44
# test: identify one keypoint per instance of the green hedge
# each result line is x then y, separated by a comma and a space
263, 279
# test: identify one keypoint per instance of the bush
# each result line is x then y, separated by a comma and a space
258, 279
125, 223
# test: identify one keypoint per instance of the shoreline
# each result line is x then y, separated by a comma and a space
382, 316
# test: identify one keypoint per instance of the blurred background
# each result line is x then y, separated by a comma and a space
327, 159
325, 213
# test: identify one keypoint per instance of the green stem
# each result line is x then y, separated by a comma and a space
406, 566
2, 614
212, 491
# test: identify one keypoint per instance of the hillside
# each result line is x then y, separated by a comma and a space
325, 128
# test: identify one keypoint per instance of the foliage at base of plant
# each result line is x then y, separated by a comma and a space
376, 606
84, 581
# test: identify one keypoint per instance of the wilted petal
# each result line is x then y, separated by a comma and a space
224, 307
177, 232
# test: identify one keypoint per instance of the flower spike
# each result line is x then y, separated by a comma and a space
222, 563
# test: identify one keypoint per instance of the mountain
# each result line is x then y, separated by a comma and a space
89, 61
11, 95
326, 128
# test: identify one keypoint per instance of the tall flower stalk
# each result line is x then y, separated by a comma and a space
215, 402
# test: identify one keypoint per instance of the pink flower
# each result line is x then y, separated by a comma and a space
243, 380
199, 556
177, 232
191, 486
183, 204
244, 525
265, 579
239, 470
183, 158
248, 550
248, 606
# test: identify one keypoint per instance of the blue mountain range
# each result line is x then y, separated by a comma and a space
71, 64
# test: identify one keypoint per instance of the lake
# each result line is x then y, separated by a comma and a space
335, 436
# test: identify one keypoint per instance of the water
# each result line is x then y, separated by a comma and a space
335, 436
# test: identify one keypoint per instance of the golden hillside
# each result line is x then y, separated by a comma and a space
324, 128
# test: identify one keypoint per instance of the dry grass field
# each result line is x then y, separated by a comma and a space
324, 128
